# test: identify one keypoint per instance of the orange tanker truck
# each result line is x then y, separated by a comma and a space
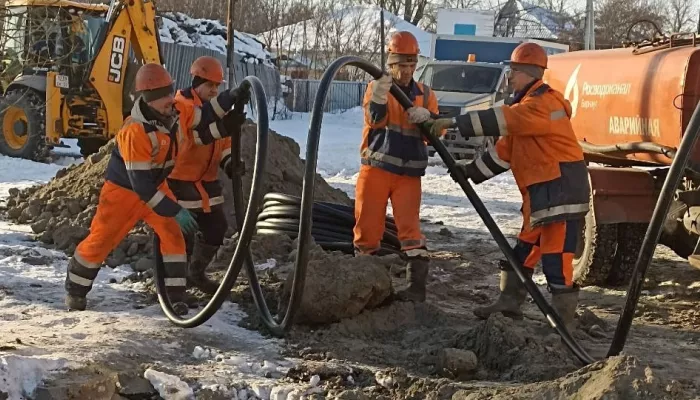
630, 109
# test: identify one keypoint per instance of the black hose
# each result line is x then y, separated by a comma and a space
281, 212
247, 224
651, 238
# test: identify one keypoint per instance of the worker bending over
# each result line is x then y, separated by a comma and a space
394, 157
538, 144
135, 189
206, 126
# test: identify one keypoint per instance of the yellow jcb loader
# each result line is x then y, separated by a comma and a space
68, 71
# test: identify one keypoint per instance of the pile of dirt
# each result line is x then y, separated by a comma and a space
339, 286
517, 350
60, 211
620, 377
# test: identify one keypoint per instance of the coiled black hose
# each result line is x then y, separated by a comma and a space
247, 224
332, 223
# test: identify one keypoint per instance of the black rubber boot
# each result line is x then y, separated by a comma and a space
78, 284
416, 276
565, 302
77, 303
202, 254
513, 294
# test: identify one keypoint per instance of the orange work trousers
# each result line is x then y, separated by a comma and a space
553, 243
118, 211
375, 187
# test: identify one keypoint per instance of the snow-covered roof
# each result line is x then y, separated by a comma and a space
357, 25
211, 34
533, 20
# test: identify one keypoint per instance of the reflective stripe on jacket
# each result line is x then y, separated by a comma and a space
142, 159
539, 145
389, 141
204, 147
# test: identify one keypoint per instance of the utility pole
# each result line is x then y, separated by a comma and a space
589, 30
230, 58
698, 22
381, 32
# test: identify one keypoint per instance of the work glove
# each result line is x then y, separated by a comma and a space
187, 222
468, 170
380, 89
241, 94
436, 126
233, 121
418, 115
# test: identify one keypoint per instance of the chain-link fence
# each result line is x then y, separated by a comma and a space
342, 95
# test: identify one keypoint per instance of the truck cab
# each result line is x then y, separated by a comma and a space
462, 86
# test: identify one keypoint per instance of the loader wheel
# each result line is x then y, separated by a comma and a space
23, 125
90, 146
595, 251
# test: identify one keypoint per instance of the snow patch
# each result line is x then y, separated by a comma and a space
168, 386
20, 375
179, 28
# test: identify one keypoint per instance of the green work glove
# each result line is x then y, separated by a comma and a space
436, 126
188, 225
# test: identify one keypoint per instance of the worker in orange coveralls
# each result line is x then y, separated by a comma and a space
135, 189
206, 126
394, 157
538, 144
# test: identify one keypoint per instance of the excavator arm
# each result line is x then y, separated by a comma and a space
131, 25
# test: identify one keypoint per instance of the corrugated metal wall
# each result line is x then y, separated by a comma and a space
179, 58
343, 95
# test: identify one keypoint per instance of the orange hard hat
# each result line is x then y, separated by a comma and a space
208, 68
403, 42
152, 76
529, 53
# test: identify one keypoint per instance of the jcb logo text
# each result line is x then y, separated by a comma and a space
116, 59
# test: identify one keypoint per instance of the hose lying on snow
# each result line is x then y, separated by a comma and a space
332, 223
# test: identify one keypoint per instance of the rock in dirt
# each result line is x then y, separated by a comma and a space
340, 286
456, 363
61, 210
515, 350
620, 377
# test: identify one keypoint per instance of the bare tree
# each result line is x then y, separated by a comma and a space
614, 18
412, 11
681, 15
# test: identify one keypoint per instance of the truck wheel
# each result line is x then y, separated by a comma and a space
595, 251
629, 239
23, 125
90, 146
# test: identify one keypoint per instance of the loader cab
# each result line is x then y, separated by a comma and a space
49, 35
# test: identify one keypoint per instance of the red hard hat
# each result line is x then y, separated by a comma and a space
529, 53
152, 76
208, 68
403, 42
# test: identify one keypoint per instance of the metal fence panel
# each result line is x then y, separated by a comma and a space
343, 95
179, 58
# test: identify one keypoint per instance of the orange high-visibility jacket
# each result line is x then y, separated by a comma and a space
142, 159
389, 141
204, 147
539, 145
